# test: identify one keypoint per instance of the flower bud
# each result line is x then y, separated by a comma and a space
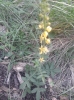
47, 41
48, 29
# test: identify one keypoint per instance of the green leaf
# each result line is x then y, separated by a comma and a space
41, 76
34, 90
47, 69
28, 84
52, 74
23, 85
9, 67
9, 54
27, 75
2, 47
57, 70
38, 95
24, 93
40, 83
24, 79
52, 66
33, 80
28, 90
41, 89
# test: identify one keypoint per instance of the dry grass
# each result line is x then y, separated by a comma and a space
62, 54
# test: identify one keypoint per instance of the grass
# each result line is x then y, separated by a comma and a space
20, 40
62, 14
20, 23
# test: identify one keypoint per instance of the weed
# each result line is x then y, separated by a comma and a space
23, 23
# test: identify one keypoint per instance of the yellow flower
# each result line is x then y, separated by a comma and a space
45, 34
41, 60
46, 17
48, 9
41, 15
47, 41
49, 23
46, 50
48, 29
41, 38
41, 25
43, 50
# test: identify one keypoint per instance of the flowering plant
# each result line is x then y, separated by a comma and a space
44, 26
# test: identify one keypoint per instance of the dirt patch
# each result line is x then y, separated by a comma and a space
3, 75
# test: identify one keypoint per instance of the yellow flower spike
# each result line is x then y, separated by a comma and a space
47, 41
48, 29
45, 28
45, 34
41, 60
